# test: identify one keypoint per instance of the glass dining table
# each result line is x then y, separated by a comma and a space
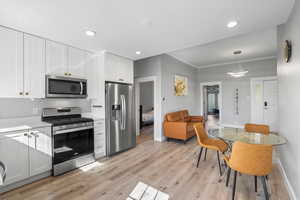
231, 135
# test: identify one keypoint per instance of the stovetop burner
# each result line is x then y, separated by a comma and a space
66, 121
63, 116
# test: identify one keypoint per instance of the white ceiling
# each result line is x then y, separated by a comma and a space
150, 26
258, 45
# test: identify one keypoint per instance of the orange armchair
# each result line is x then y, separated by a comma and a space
251, 159
179, 125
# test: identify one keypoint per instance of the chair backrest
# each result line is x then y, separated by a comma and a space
257, 128
201, 133
252, 159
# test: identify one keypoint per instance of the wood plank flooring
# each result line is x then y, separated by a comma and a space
168, 166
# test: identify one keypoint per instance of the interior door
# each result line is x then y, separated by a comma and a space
205, 102
270, 103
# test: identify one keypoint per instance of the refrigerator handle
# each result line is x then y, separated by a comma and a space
123, 115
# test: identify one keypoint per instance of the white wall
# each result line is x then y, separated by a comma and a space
229, 84
171, 103
289, 99
147, 96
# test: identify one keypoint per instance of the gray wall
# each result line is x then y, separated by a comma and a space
148, 67
10, 107
229, 84
171, 67
289, 99
147, 96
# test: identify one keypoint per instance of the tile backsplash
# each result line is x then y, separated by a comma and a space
12, 107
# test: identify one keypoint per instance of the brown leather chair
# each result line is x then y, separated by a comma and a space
179, 125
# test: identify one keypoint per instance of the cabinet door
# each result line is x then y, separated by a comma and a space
34, 67
40, 153
11, 62
14, 154
95, 75
56, 58
77, 62
118, 69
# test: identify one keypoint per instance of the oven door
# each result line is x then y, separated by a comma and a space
64, 87
72, 143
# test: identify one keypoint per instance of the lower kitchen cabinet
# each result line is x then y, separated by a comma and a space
99, 138
14, 154
40, 153
26, 153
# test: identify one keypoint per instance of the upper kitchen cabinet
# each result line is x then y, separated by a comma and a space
95, 74
34, 67
118, 69
56, 59
11, 62
77, 59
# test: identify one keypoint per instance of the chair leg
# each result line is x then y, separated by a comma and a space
219, 163
228, 176
263, 180
199, 157
267, 177
205, 153
234, 184
255, 183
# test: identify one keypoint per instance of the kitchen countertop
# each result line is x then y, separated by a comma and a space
94, 116
22, 123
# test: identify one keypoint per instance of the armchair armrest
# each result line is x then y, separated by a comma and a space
196, 118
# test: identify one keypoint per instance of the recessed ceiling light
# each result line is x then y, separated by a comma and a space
232, 24
138, 53
90, 33
237, 74
237, 52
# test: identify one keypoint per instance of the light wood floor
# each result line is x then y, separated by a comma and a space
167, 166
146, 133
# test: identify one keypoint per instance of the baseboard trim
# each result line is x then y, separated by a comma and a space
232, 126
286, 181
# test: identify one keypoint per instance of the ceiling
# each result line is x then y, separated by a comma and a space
254, 46
152, 27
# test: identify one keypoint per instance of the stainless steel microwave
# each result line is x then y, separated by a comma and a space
65, 87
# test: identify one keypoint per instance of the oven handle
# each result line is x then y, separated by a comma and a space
81, 88
73, 130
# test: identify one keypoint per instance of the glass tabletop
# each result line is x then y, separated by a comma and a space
236, 134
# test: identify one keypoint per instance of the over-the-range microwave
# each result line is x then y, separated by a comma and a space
65, 87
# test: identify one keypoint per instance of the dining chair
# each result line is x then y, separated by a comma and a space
257, 128
251, 159
209, 143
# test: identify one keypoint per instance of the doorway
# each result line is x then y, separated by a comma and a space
264, 104
148, 109
211, 103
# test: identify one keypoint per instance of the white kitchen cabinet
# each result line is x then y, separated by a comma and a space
118, 69
26, 153
99, 138
34, 67
56, 58
77, 62
95, 76
14, 154
40, 151
11, 62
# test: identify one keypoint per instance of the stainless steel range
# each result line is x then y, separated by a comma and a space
72, 138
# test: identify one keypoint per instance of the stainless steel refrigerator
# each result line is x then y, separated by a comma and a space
120, 133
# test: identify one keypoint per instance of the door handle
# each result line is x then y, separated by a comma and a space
81, 88
123, 114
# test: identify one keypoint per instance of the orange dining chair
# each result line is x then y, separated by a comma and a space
257, 128
209, 143
251, 159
